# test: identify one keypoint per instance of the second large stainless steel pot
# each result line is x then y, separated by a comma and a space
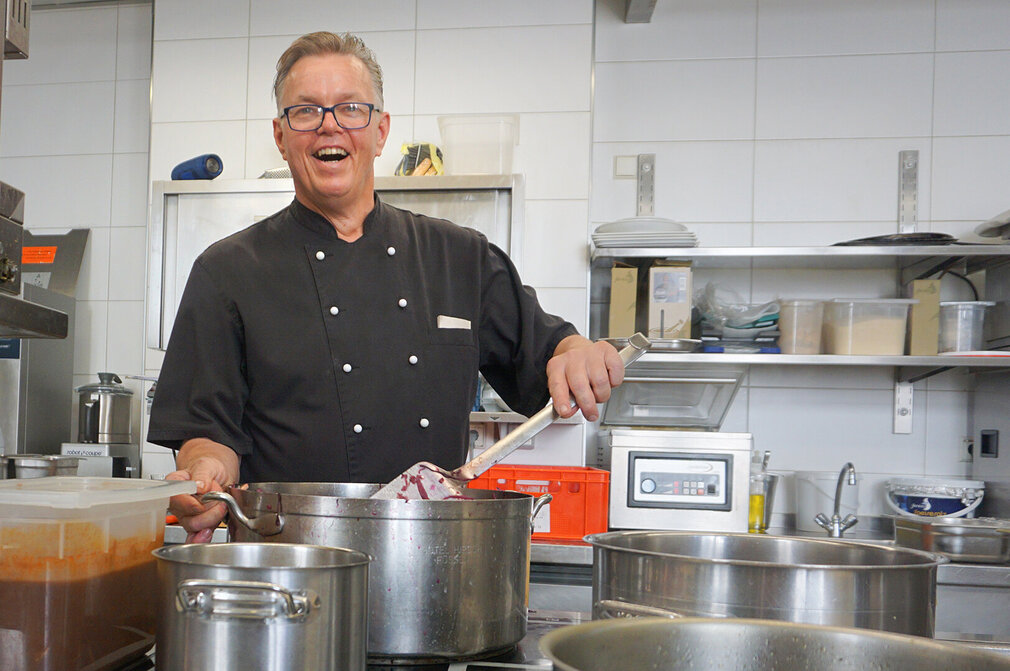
448, 579
816, 581
700, 644
262, 606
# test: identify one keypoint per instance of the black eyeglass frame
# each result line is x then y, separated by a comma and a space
333, 111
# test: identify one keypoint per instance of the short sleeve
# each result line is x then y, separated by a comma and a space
517, 337
201, 390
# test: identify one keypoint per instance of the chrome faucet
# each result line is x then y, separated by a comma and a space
836, 526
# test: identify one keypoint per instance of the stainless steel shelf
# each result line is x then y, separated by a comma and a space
516, 418
829, 360
286, 184
811, 257
21, 319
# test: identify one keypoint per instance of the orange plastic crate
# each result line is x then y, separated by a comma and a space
581, 497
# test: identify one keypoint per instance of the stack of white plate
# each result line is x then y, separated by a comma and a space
644, 232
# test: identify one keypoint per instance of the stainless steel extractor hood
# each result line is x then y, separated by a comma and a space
20, 318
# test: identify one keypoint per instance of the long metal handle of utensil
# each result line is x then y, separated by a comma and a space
638, 344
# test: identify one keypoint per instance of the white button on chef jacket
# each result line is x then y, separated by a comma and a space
334, 310
347, 368
357, 428
320, 255
402, 302
391, 250
424, 422
412, 359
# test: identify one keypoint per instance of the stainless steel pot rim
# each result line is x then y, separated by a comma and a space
330, 500
632, 624
603, 541
177, 554
980, 523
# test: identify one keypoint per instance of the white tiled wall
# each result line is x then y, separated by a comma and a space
74, 137
772, 122
780, 123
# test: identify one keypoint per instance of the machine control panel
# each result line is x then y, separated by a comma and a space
680, 480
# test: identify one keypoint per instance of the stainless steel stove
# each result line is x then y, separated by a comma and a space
525, 655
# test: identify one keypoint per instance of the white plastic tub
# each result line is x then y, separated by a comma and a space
961, 324
866, 326
815, 493
800, 325
478, 144
934, 497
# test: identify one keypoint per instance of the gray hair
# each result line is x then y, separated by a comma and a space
321, 43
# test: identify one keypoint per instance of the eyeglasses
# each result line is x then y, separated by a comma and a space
349, 116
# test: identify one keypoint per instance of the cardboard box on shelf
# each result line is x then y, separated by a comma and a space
924, 318
623, 300
670, 300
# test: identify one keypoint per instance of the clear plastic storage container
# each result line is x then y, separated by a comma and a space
800, 325
961, 324
78, 582
866, 326
478, 144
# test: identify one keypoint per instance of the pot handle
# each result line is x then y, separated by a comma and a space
243, 599
270, 524
610, 609
538, 504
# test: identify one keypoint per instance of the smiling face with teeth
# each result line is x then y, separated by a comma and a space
332, 168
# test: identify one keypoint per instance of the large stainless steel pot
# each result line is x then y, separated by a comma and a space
448, 578
699, 644
816, 581
262, 606
37, 465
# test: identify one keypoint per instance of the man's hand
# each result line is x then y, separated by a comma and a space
213, 467
585, 372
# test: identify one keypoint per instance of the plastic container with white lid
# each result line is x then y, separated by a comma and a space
961, 324
934, 496
478, 144
800, 325
75, 558
39, 495
866, 326
814, 492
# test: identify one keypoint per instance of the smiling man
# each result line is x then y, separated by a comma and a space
339, 339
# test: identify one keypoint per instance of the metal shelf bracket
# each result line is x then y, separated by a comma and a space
908, 187
902, 407
646, 177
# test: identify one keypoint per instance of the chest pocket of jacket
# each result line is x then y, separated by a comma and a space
451, 365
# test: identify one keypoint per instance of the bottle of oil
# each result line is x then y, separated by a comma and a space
758, 488
756, 512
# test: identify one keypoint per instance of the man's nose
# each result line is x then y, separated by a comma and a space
330, 124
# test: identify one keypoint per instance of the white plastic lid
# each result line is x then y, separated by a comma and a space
943, 483
85, 492
981, 304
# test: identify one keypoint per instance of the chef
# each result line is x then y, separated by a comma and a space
339, 339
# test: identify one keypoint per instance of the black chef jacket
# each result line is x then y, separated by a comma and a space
316, 359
